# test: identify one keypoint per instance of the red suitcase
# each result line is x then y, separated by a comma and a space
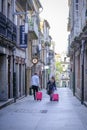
55, 97
38, 95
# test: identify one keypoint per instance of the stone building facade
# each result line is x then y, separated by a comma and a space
8, 38
77, 26
19, 44
12, 56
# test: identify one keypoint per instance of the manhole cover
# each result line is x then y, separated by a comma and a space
29, 111
43, 111
26, 111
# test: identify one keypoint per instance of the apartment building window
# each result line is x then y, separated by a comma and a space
8, 12
64, 59
76, 1
86, 13
76, 6
77, 13
2, 6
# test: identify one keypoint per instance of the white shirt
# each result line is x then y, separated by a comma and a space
35, 80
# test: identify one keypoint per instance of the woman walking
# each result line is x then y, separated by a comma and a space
51, 86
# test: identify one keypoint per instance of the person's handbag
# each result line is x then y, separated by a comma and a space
48, 91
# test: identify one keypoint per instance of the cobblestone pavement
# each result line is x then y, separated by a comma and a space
28, 114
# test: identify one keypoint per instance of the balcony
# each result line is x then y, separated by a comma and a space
47, 43
2, 24
51, 54
33, 28
7, 29
48, 61
35, 51
47, 40
24, 2
14, 33
84, 28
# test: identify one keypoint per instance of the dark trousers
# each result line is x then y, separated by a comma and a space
51, 94
35, 89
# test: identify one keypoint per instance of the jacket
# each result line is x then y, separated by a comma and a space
51, 85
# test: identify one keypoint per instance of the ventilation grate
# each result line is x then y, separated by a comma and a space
43, 111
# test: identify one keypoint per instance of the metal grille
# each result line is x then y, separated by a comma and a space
43, 111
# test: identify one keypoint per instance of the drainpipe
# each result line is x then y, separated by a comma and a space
26, 37
14, 72
74, 73
82, 68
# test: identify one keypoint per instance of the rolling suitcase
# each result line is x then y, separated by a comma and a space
38, 95
55, 97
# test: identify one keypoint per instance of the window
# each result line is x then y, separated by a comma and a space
76, 1
86, 13
8, 13
76, 6
64, 59
2, 6
77, 14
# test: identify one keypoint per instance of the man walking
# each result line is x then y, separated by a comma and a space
35, 84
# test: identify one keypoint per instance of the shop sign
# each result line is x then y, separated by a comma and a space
23, 37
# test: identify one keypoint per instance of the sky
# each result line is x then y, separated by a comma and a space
56, 13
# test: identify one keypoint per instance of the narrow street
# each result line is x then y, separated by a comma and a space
27, 114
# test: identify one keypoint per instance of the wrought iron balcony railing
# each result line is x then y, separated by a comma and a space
2, 24
8, 28
14, 34
23, 3
33, 28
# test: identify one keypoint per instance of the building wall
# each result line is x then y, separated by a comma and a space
6, 56
3, 78
78, 23
77, 74
19, 69
9, 54
85, 75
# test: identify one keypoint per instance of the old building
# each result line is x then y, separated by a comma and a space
8, 38
13, 47
33, 43
21, 47
77, 26
46, 53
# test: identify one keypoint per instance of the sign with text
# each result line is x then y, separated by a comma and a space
23, 37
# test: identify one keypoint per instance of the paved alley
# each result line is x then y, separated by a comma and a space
27, 114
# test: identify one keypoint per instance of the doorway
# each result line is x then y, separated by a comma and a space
9, 75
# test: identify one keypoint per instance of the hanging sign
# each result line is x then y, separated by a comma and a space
34, 60
23, 37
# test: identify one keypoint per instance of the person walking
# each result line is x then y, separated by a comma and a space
35, 84
51, 87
